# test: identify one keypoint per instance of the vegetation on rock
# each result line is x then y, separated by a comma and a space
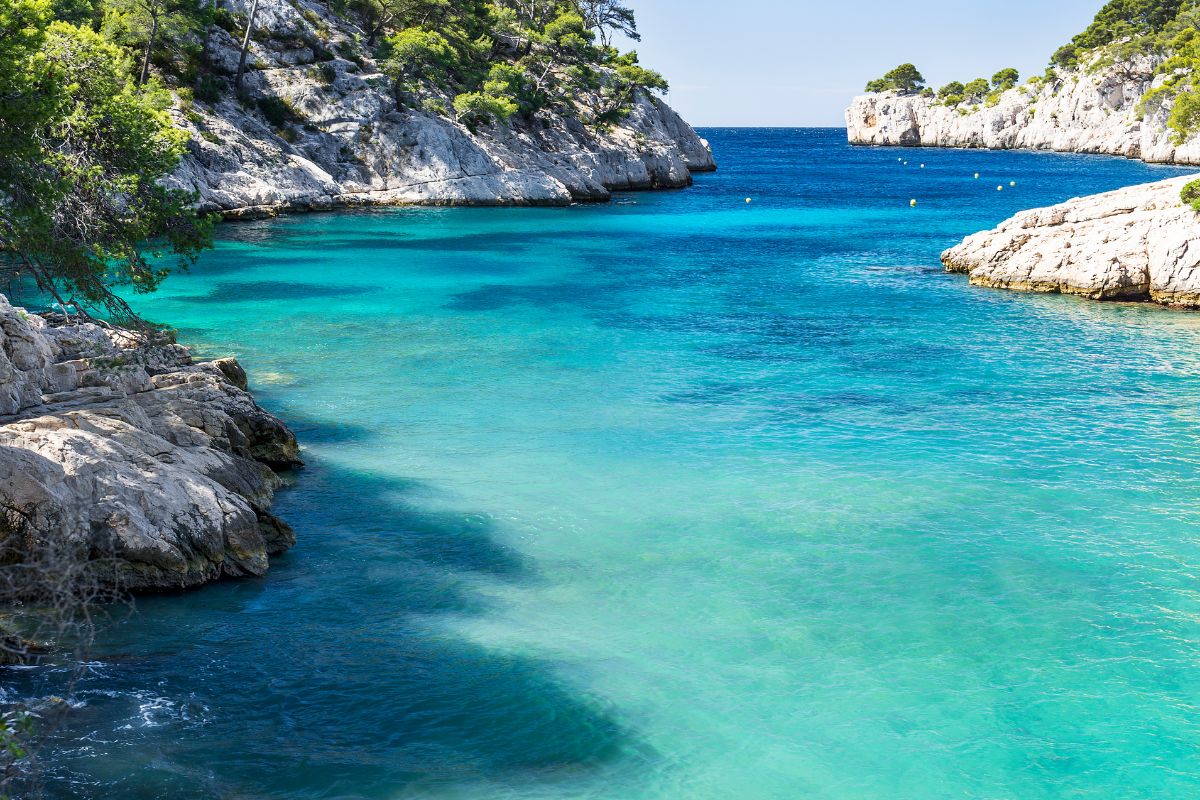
1190, 194
86, 86
82, 150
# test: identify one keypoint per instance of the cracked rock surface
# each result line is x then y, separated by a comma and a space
349, 143
130, 452
1138, 243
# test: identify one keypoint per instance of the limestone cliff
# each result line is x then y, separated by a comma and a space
1138, 243
346, 141
134, 456
1088, 110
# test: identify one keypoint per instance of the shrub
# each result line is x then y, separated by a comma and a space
435, 105
1191, 194
1185, 115
476, 108
276, 110
977, 89
1005, 79
208, 89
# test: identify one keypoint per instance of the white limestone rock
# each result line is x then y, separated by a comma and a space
352, 145
131, 454
1083, 111
1138, 243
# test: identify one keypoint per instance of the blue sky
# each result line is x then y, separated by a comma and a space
772, 62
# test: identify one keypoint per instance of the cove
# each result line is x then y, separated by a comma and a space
683, 498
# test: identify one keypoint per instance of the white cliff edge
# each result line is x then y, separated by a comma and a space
1082, 111
132, 456
349, 143
1140, 243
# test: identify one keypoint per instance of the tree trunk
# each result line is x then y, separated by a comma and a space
241, 70
149, 46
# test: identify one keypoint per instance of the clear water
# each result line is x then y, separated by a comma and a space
685, 498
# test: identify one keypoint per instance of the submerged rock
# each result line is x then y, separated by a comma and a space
1138, 243
127, 451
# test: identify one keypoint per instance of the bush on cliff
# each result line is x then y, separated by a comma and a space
905, 79
1190, 194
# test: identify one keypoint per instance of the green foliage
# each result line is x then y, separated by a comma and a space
82, 152
209, 89
905, 79
419, 55
952, 94
277, 111
1184, 119
976, 90
157, 29
489, 105
499, 59
1190, 194
1120, 19
1005, 79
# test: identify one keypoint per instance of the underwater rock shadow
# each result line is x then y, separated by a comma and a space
341, 677
259, 291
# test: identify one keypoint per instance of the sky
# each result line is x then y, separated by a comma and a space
779, 63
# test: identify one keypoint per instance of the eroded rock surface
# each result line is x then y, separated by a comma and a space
347, 141
1138, 243
135, 455
1090, 110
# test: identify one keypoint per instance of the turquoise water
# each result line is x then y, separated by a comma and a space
685, 498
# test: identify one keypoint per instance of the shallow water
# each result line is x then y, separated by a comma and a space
685, 498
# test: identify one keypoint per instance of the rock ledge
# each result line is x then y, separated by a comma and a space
1140, 243
130, 453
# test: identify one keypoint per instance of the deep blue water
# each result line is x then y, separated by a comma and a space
685, 498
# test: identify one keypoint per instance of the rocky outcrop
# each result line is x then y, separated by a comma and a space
126, 451
1090, 110
1139, 243
343, 140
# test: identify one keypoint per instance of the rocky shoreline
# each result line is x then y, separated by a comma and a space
125, 450
1088, 110
339, 138
133, 455
1141, 243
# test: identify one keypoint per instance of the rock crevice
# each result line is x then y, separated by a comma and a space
131, 453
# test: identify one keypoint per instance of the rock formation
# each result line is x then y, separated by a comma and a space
132, 454
1089, 110
347, 142
1138, 243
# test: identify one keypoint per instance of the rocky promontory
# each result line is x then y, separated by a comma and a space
336, 135
121, 448
1091, 109
1139, 243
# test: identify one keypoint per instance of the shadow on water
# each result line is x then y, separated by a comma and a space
335, 676
260, 291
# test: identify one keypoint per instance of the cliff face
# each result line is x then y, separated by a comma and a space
348, 143
1082, 112
1139, 243
129, 453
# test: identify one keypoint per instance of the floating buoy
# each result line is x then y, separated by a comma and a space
922, 166
1012, 183
912, 203
748, 200
999, 188
976, 176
